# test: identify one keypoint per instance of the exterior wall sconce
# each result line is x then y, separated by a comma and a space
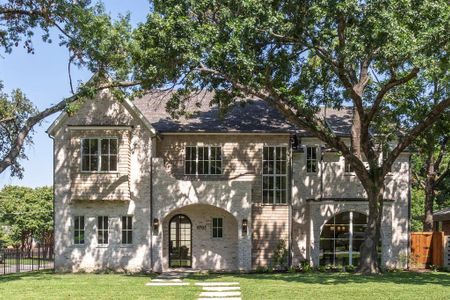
155, 224
244, 226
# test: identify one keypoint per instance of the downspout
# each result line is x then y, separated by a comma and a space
291, 180
409, 213
321, 173
151, 212
53, 189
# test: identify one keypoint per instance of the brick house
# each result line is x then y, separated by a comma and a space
136, 189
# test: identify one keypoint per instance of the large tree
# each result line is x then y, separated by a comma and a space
376, 56
28, 213
94, 42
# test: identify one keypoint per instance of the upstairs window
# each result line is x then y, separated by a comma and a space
274, 175
217, 227
99, 154
203, 160
311, 159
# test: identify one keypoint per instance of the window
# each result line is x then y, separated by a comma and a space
78, 233
341, 239
203, 160
102, 230
99, 154
127, 230
274, 175
217, 227
311, 159
348, 167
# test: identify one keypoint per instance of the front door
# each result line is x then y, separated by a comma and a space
180, 242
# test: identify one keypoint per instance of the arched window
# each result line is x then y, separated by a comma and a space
341, 239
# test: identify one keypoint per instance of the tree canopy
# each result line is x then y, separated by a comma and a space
387, 59
28, 213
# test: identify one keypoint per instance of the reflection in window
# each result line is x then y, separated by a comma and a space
341, 239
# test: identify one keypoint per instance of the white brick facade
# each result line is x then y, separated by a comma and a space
148, 186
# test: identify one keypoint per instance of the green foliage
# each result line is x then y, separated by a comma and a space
417, 208
280, 255
28, 213
15, 109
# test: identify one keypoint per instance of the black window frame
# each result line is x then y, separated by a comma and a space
97, 154
217, 227
126, 230
311, 159
102, 232
275, 175
203, 160
79, 229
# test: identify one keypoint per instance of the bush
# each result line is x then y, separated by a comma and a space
261, 269
280, 256
350, 268
306, 267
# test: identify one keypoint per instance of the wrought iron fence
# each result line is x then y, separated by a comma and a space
17, 260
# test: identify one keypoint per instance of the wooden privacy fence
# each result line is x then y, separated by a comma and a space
427, 248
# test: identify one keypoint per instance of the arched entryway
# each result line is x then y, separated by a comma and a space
180, 242
212, 234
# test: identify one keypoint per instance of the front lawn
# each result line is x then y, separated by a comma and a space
405, 285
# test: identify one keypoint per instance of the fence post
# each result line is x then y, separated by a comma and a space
17, 260
32, 259
4, 262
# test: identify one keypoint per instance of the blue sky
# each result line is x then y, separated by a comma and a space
43, 78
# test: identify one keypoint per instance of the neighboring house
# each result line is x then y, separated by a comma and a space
137, 190
442, 221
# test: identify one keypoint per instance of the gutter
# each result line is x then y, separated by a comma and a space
409, 214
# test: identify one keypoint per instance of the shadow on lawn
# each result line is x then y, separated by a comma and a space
406, 278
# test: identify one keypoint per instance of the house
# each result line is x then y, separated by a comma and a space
441, 221
138, 190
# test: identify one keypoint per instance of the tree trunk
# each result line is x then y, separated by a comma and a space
368, 263
428, 205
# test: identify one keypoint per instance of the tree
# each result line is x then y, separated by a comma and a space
431, 168
376, 56
94, 42
28, 213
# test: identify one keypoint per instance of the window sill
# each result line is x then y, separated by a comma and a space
126, 246
102, 246
99, 172
349, 174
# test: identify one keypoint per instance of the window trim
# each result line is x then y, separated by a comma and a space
209, 146
316, 159
103, 230
217, 227
99, 138
79, 230
273, 175
128, 230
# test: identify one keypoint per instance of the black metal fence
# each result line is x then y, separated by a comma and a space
17, 260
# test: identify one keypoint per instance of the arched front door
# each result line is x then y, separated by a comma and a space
180, 242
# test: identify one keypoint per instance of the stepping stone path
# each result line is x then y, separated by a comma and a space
220, 291
169, 279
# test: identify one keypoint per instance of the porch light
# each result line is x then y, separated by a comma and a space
244, 226
155, 224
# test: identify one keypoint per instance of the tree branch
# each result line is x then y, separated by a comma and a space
408, 138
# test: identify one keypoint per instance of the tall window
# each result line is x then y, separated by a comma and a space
102, 230
217, 227
127, 230
274, 175
348, 167
203, 160
341, 239
311, 159
99, 154
78, 233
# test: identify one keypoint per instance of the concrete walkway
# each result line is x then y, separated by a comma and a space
220, 290
210, 290
169, 279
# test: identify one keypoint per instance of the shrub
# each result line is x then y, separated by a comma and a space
280, 256
306, 267
350, 268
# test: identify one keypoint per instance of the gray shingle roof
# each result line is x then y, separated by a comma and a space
442, 215
251, 115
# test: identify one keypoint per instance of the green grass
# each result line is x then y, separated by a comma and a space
404, 285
